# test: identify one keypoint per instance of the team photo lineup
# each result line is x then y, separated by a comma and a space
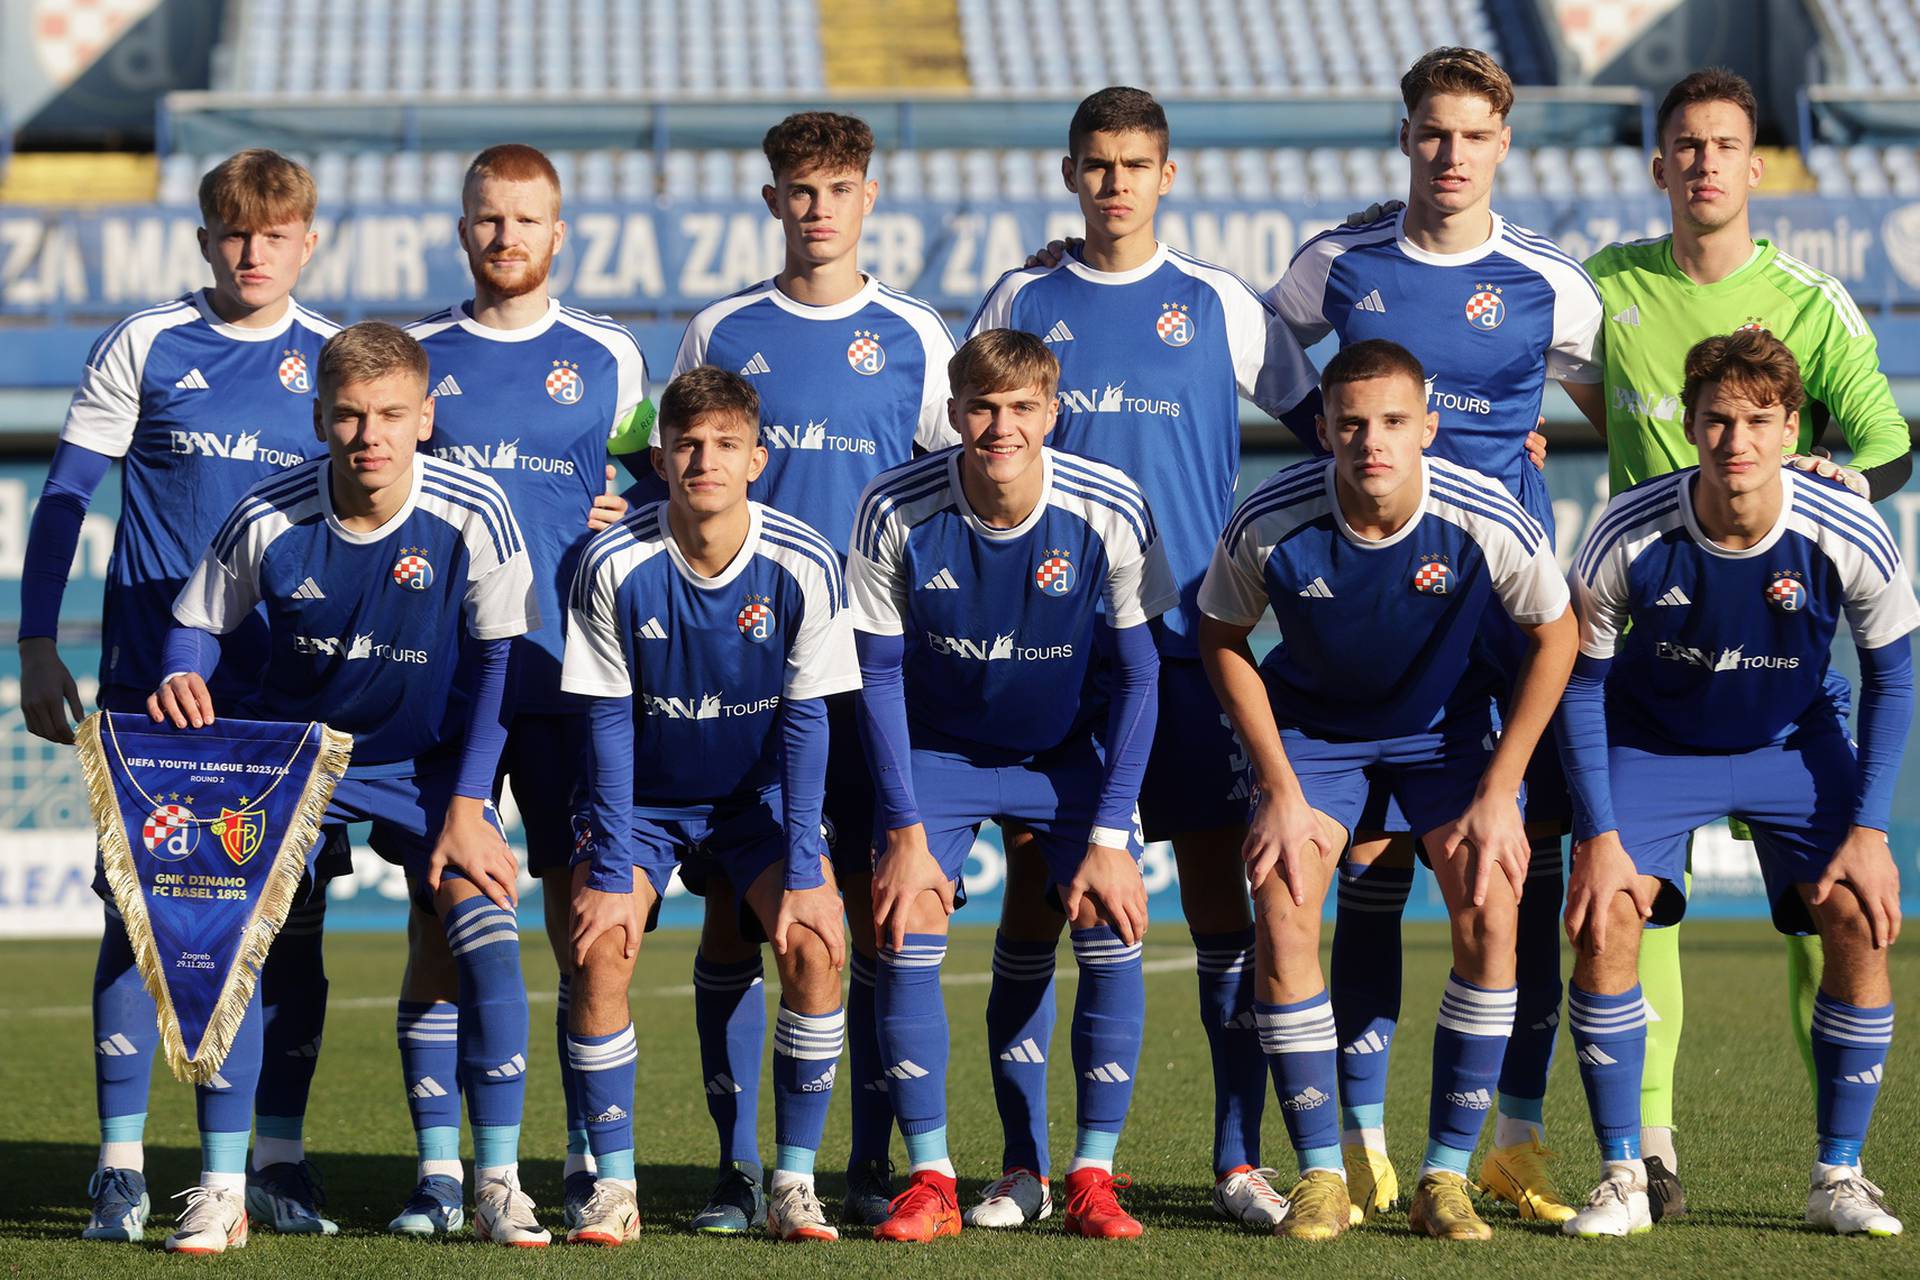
799, 659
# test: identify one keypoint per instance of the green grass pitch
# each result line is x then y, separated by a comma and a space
1745, 1145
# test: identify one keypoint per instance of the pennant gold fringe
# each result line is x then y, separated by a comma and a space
269, 913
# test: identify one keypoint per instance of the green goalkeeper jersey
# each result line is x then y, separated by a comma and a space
1655, 314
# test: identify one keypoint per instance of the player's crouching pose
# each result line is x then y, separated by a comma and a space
1378, 565
392, 584
1719, 588
980, 576
706, 632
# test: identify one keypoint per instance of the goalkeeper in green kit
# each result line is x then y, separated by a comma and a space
1710, 276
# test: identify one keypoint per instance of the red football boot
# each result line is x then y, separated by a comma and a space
1092, 1208
928, 1209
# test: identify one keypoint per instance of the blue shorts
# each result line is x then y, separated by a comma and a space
1053, 795
738, 837
848, 813
1430, 777
1797, 796
406, 813
547, 757
1197, 773
328, 860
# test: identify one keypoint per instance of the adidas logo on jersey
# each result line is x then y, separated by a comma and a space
941, 581
651, 630
117, 1046
1059, 333
1026, 1051
1674, 596
722, 1085
610, 1115
1372, 1042
194, 381
309, 590
1306, 1100
1371, 302
906, 1069
1476, 1100
1631, 316
1870, 1076
427, 1088
446, 387
1111, 1073
1317, 590
756, 365
1594, 1056
514, 1066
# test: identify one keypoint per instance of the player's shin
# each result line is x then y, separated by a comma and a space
872, 1112
730, 1018
579, 1148
1298, 1039
1469, 1041
806, 1057
429, 1037
485, 941
1020, 1018
1610, 1041
1365, 986
1109, 1013
293, 995
1850, 1044
225, 1108
125, 1034
914, 1043
1536, 1025
604, 1068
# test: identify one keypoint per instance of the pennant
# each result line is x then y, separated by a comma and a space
205, 835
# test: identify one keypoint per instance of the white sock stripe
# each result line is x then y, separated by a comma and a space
1222, 962
1473, 1012
1827, 1015
715, 980
485, 917
1870, 1040
617, 1052
476, 941
809, 1051
914, 956
1106, 952
1307, 1030
1364, 895
1022, 967
862, 969
1606, 1020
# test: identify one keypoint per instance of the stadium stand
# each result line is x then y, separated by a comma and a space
1875, 43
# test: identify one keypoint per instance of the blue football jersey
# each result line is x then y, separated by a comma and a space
1377, 635
535, 408
999, 624
367, 631
200, 411
707, 661
1490, 325
1719, 650
1153, 363
846, 391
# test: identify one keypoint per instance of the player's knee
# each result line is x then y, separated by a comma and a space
807, 968
1845, 930
1487, 931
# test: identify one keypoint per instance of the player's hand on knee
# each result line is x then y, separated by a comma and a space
1602, 870
597, 913
905, 869
474, 847
1109, 882
182, 701
817, 909
1864, 863
607, 508
1374, 212
1056, 252
1537, 448
1284, 837
47, 692
1493, 834
1821, 463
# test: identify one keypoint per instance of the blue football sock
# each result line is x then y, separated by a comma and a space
1109, 1013
1300, 1045
1020, 1016
126, 1031
1849, 1054
730, 1018
806, 1055
293, 997
485, 941
604, 1068
872, 1111
1364, 980
578, 1147
1469, 1039
913, 1039
1536, 1019
1610, 1040
225, 1107
1225, 964
429, 1036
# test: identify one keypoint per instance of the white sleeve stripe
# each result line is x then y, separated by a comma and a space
480, 495
908, 482
1835, 293
1844, 508
1538, 246
179, 307
1215, 276
707, 320
908, 302
1134, 517
287, 489
1300, 483
1485, 486
636, 528
1885, 567
311, 319
1625, 511
1011, 283
1111, 481
816, 553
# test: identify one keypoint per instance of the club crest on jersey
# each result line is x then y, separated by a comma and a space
1486, 309
240, 832
1434, 577
756, 619
411, 572
1175, 326
1054, 574
564, 383
865, 353
170, 832
293, 372
1786, 592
